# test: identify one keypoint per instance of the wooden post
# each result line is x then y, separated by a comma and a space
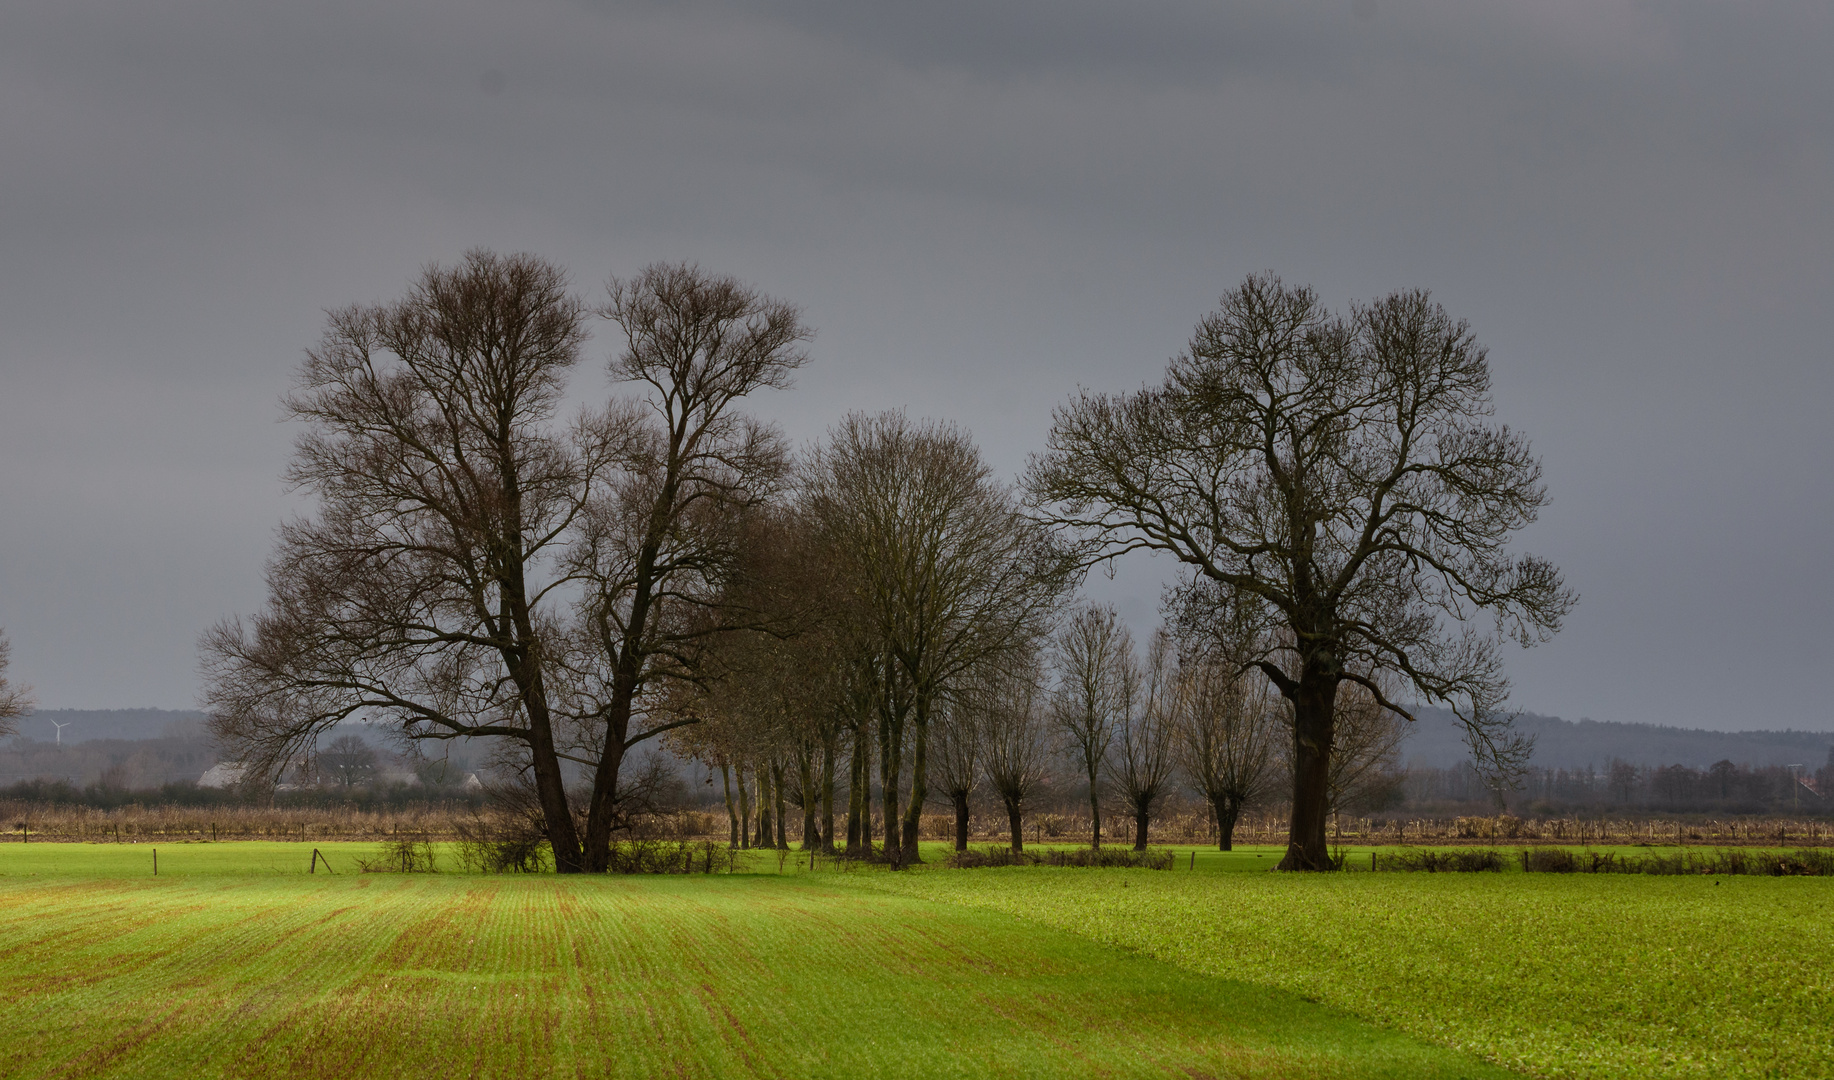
155, 862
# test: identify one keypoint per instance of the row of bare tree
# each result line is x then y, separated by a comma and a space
782, 737
663, 565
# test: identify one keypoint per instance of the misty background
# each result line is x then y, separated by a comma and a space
981, 208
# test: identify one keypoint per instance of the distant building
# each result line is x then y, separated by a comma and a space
223, 774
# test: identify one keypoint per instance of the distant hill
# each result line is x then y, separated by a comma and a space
1436, 742
86, 725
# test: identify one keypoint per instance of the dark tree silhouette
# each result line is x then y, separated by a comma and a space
15, 701
1343, 473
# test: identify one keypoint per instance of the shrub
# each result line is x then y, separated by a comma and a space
1085, 857
402, 855
1436, 861
1151, 860
1808, 862
991, 856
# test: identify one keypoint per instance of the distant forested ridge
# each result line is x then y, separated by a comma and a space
1435, 742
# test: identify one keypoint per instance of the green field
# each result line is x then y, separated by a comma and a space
1560, 975
236, 962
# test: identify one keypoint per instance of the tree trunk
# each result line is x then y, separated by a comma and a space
853, 796
805, 776
1226, 811
1314, 701
891, 760
732, 815
920, 789
1016, 822
827, 792
744, 811
764, 837
783, 819
1095, 815
961, 819
1141, 814
859, 810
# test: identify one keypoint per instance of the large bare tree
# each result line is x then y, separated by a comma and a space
662, 549
1097, 684
475, 569
445, 494
15, 701
1345, 473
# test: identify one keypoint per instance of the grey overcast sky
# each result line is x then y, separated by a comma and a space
982, 206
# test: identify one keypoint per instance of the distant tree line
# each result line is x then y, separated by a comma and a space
1619, 786
849, 633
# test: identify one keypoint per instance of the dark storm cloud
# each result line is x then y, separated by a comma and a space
982, 206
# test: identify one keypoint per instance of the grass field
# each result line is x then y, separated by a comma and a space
1558, 975
233, 962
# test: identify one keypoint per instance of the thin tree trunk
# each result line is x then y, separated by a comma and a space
783, 835
1015, 820
732, 814
961, 819
891, 760
1095, 814
1140, 818
827, 792
920, 790
811, 836
859, 796
744, 810
764, 839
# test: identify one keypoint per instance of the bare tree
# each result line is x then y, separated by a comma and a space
948, 574
1008, 705
1097, 682
15, 701
1227, 731
418, 591
474, 571
1344, 473
661, 550
1365, 752
1144, 738
955, 756
348, 761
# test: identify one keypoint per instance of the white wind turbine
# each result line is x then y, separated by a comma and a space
60, 729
